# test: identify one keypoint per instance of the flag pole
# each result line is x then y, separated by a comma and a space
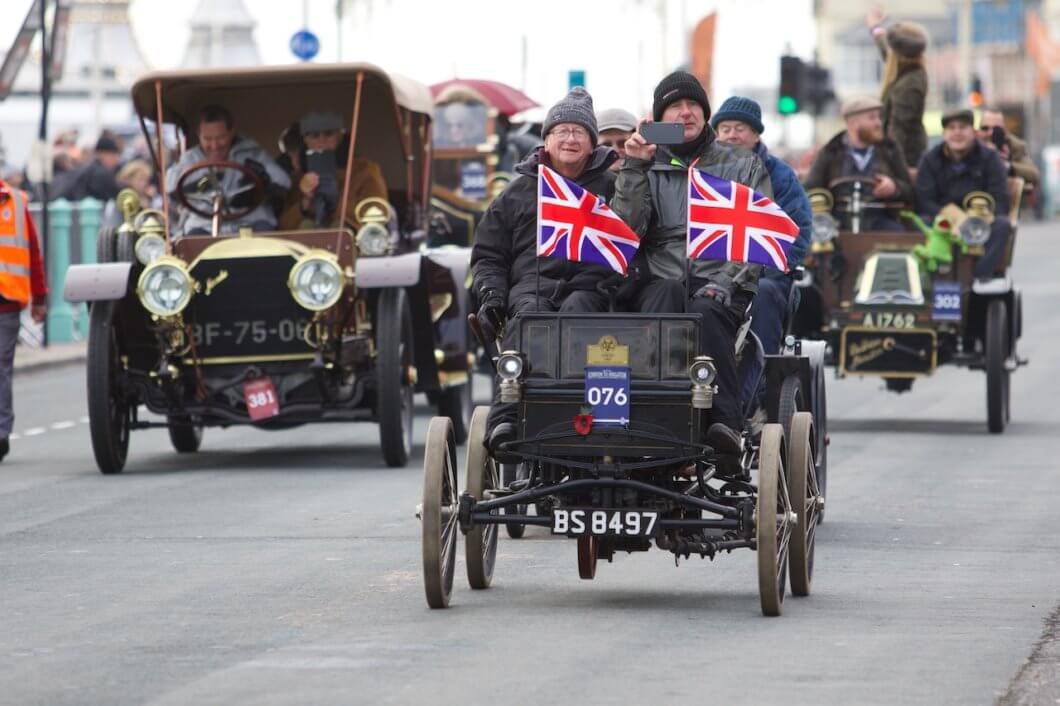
537, 283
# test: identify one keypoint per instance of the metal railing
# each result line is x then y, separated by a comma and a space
71, 239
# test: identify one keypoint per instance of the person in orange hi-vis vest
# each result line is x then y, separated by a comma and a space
21, 284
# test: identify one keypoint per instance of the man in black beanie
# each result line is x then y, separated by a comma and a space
651, 195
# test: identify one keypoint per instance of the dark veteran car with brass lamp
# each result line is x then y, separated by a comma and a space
896, 305
285, 327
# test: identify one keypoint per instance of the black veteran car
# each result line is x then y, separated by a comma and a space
276, 326
896, 305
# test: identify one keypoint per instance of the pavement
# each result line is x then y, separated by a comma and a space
285, 567
29, 358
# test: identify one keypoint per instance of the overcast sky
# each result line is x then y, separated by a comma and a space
625, 46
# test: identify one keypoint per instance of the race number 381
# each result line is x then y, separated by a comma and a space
260, 397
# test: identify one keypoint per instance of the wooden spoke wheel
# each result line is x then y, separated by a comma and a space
394, 387
790, 402
438, 516
587, 555
805, 496
480, 544
820, 425
997, 375
773, 523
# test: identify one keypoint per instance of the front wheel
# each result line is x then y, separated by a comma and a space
394, 385
439, 514
772, 521
997, 375
108, 409
806, 502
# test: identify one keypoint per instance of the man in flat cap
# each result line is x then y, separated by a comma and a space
616, 126
863, 151
218, 141
959, 165
314, 202
651, 195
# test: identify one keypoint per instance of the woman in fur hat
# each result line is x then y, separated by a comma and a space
905, 83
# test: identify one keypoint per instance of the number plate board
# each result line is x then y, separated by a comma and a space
261, 400
578, 521
893, 353
607, 392
946, 301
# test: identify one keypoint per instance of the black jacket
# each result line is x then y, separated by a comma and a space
504, 254
92, 179
940, 180
889, 160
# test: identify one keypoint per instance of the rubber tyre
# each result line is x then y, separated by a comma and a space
185, 436
438, 516
457, 403
789, 402
820, 425
997, 376
108, 412
804, 494
394, 391
510, 473
105, 245
124, 242
480, 543
771, 535
588, 553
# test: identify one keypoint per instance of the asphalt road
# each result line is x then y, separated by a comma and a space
284, 568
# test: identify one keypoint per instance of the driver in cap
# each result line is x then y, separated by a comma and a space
314, 200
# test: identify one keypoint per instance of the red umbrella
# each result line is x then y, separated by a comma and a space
504, 98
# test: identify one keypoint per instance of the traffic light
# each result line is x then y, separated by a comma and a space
818, 88
789, 98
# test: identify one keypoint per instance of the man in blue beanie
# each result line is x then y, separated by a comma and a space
739, 123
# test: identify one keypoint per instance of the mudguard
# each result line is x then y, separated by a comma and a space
100, 282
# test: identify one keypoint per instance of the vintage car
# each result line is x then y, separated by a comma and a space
612, 411
476, 148
896, 305
276, 329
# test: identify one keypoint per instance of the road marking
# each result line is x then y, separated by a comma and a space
66, 424
14, 437
83, 420
35, 431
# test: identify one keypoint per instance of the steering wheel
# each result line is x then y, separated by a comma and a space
845, 203
867, 183
223, 210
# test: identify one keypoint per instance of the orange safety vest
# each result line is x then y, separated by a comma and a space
14, 246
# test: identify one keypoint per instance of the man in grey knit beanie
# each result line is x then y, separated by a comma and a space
577, 108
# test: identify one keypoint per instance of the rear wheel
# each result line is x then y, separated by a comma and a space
772, 521
587, 555
804, 495
789, 403
184, 434
997, 375
394, 388
439, 512
108, 409
820, 425
480, 544
510, 472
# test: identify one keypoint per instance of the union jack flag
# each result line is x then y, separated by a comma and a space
730, 221
575, 224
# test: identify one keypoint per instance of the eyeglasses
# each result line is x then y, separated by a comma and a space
565, 133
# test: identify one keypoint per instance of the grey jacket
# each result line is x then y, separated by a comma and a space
652, 198
242, 149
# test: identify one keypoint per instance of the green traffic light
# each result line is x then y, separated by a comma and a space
787, 105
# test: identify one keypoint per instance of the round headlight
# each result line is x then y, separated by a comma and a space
975, 231
825, 227
316, 280
149, 247
509, 366
165, 286
373, 239
702, 371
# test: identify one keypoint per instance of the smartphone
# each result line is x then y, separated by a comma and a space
663, 133
997, 136
320, 161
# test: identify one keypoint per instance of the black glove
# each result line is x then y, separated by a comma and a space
259, 170
491, 314
716, 291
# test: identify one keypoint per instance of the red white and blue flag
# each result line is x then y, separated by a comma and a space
730, 221
575, 224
